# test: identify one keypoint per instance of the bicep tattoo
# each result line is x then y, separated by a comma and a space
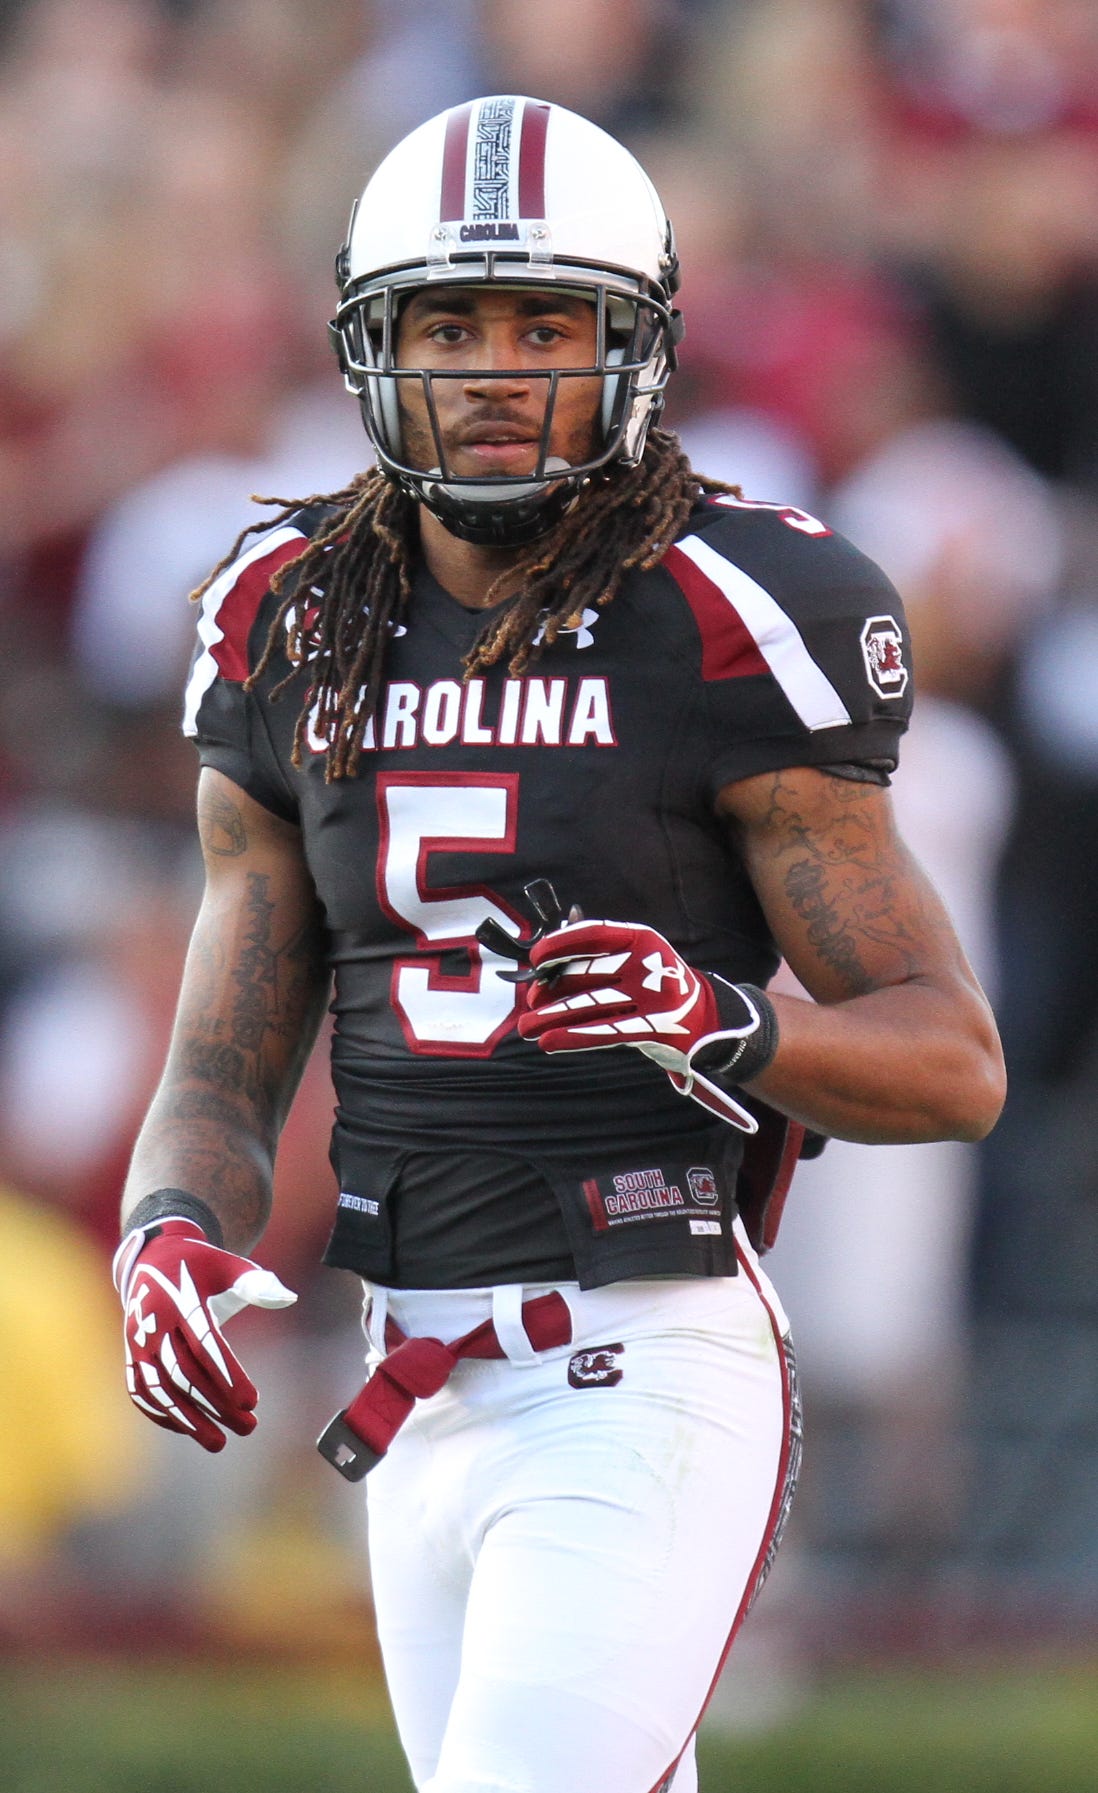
832, 871
258, 1034
221, 826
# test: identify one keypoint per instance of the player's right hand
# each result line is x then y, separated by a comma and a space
177, 1292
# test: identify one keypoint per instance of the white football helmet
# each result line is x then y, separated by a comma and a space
520, 193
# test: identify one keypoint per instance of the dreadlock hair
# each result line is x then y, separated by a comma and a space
344, 595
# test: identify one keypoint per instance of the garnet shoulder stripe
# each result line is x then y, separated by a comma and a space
734, 610
234, 609
228, 611
729, 650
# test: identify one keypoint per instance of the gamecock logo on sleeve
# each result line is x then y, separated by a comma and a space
883, 651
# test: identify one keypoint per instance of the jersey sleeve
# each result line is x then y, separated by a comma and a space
225, 720
805, 657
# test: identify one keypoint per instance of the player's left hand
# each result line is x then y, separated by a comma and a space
606, 983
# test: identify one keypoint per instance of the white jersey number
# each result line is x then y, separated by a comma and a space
790, 514
462, 1012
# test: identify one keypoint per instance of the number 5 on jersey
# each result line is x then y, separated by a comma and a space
461, 1013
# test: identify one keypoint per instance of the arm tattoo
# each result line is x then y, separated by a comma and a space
211, 1062
256, 976
829, 935
842, 880
221, 827
249, 1023
271, 1015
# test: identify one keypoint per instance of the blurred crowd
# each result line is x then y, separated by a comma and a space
887, 213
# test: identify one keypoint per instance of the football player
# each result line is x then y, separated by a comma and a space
541, 749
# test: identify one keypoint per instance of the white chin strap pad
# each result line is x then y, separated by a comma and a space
491, 492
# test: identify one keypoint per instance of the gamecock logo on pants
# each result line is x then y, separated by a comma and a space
596, 1369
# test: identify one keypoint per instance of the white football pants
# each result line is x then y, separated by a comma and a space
563, 1545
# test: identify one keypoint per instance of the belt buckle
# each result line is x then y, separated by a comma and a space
345, 1450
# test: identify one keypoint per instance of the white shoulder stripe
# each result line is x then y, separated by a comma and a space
777, 637
210, 632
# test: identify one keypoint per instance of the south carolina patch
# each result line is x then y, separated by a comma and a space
665, 1215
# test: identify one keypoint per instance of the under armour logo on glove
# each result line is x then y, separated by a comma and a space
177, 1292
600, 984
657, 971
143, 1329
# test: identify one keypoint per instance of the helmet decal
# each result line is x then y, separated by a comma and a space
494, 170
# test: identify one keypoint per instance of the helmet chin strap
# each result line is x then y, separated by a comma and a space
497, 515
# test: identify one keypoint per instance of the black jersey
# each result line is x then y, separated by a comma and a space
762, 641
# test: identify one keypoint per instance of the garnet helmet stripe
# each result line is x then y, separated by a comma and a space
455, 152
535, 126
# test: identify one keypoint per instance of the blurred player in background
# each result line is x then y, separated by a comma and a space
546, 749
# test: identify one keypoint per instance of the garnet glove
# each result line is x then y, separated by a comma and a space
177, 1292
612, 983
